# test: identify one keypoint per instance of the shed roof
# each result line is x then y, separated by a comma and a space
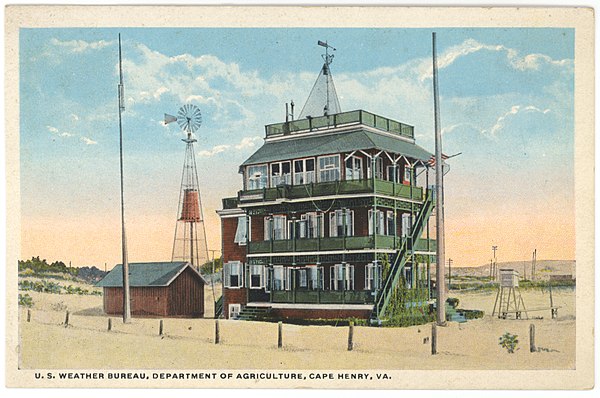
147, 274
334, 143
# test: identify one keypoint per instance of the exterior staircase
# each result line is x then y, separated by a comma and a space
384, 295
253, 313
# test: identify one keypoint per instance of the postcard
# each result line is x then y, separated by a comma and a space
293, 197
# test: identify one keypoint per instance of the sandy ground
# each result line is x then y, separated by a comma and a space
189, 343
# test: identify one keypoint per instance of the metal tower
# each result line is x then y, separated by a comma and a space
189, 243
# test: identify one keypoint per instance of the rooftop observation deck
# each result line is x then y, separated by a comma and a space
358, 117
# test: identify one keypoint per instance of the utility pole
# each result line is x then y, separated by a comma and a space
449, 273
494, 248
533, 261
440, 284
491, 268
126, 297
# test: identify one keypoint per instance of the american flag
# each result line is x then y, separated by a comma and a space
431, 161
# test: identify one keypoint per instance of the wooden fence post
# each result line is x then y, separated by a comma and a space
217, 336
433, 339
109, 324
351, 336
67, 319
532, 338
279, 334
28, 315
160, 328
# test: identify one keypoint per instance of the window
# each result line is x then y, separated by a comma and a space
234, 310
281, 278
233, 274
281, 173
337, 220
342, 277
392, 173
241, 234
378, 223
408, 171
391, 223
275, 228
304, 171
329, 168
354, 168
257, 176
373, 276
256, 276
406, 224
315, 277
311, 225
302, 278
378, 168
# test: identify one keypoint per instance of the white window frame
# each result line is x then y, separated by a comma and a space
319, 278
313, 224
333, 225
258, 179
341, 274
379, 170
390, 223
256, 269
304, 176
328, 168
280, 178
408, 172
228, 273
380, 226
392, 173
406, 225
355, 172
270, 230
373, 276
234, 310
285, 280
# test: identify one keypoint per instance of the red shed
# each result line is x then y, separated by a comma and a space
167, 289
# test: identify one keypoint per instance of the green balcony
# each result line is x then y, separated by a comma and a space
373, 186
325, 244
358, 117
322, 296
426, 245
230, 203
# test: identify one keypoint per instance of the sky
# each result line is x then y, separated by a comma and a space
506, 102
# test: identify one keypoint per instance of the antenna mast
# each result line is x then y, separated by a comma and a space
126, 298
328, 60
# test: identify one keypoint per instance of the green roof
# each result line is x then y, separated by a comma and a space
145, 274
334, 143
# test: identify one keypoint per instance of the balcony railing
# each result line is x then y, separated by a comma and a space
332, 188
358, 117
230, 203
323, 296
337, 243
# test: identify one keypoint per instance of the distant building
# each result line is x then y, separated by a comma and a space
324, 202
166, 289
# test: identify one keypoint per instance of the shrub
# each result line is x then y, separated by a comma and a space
25, 300
452, 302
509, 341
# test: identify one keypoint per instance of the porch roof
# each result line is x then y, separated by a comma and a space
334, 143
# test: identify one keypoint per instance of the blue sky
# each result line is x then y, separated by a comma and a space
506, 104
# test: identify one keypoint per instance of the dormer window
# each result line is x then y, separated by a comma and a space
281, 173
257, 177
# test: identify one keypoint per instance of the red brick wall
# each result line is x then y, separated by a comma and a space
231, 250
233, 296
257, 229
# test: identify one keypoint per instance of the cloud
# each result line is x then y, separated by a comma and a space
215, 150
79, 46
88, 141
500, 122
51, 129
74, 117
470, 46
57, 133
248, 142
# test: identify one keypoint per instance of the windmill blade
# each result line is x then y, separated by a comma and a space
170, 118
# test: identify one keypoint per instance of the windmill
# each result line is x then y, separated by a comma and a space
189, 242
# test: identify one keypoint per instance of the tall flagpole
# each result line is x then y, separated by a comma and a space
440, 285
126, 298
